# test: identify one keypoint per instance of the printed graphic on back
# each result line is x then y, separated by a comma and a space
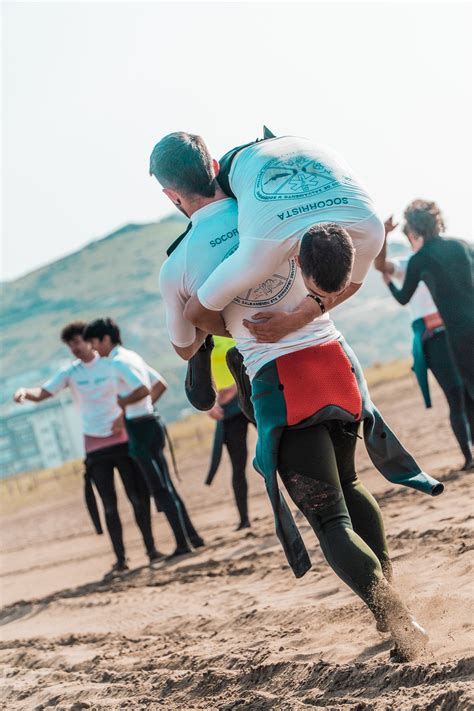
290, 177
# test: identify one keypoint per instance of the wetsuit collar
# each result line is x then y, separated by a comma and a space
178, 240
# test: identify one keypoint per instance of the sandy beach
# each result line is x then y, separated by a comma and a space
229, 627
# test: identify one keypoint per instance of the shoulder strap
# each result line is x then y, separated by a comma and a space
226, 161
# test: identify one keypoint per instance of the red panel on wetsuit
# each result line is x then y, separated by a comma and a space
316, 377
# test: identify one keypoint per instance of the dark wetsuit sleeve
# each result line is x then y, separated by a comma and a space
412, 279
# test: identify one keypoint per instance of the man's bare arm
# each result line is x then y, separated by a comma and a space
381, 263
157, 390
136, 395
204, 319
187, 352
275, 325
33, 394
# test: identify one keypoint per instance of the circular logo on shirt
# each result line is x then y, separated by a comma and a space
293, 177
270, 291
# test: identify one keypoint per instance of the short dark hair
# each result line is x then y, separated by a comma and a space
425, 218
75, 328
182, 161
103, 327
327, 256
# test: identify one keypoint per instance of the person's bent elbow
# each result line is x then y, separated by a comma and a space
379, 264
185, 353
194, 311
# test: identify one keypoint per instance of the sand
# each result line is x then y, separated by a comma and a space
229, 627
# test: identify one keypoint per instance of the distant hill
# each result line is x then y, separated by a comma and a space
118, 276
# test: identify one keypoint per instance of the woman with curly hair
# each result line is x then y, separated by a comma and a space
445, 265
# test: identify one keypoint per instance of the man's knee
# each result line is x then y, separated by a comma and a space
311, 495
349, 479
110, 510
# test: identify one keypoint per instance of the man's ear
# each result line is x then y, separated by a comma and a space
172, 195
216, 166
297, 260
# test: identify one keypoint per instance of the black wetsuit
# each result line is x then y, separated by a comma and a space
440, 361
146, 445
316, 465
235, 439
446, 267
100, 465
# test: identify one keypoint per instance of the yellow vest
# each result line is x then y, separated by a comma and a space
220, 372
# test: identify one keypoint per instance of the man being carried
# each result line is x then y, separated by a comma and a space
308, 394
92, 383
135, 380
283, 187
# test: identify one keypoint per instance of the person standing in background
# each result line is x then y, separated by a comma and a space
135, 382
431, 350
445, 265
231, 428
92, 382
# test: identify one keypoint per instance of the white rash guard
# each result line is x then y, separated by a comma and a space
94, 391
212, 239
284, 186
131, 371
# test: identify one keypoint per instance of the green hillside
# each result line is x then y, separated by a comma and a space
118, 276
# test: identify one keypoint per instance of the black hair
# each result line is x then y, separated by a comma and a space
182, 161
103, 327
70, 330
327, 256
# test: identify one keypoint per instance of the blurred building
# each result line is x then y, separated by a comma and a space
38, 436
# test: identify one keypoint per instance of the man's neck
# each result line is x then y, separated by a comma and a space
89, 358
201, 202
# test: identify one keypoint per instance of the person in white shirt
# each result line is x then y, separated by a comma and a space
431, 350
135, 380
92, 383
284, 187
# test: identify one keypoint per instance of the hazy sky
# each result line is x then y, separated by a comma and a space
88, 89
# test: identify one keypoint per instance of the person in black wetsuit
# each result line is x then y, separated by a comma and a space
431, 350
445, 265
231, 428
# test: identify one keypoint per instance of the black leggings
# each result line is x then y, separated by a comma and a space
100, 467
147, 441
235, 439
316, 465
461, 406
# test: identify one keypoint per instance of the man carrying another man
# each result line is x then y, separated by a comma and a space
308, 391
